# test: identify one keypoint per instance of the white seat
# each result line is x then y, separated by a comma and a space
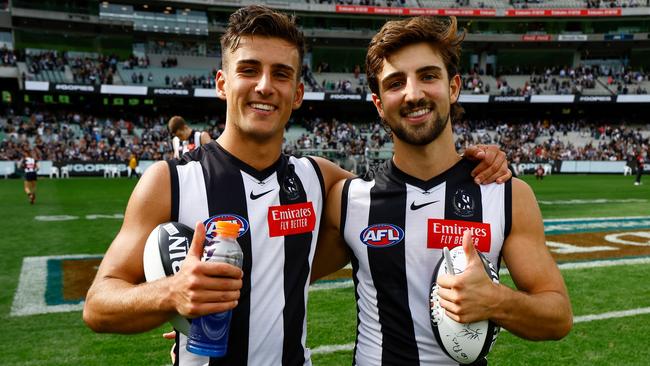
111, 171
627, 170
521, 169
54, 172
65, 172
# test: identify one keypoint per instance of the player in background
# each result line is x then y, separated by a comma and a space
640, 165
185, 139
30, 166
393, 225
242, 175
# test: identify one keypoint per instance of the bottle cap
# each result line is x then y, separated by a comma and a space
228, 229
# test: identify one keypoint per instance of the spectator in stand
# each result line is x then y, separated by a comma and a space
133, 166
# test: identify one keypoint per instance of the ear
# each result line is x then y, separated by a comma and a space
220, 84
377, 102
300, 94
454, 88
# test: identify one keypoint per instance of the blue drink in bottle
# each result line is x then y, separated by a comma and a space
208, 334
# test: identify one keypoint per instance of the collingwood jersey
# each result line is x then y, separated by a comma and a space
182, 147
279, 211
396, 226
29, 164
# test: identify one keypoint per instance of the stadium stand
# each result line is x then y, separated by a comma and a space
357, 147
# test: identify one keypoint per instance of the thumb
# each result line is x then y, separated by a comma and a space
468, 248
196, 248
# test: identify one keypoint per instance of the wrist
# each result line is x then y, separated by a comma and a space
498, 305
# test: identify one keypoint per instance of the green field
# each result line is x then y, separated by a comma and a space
90, 206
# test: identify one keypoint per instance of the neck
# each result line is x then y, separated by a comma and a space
428, 161
259, 154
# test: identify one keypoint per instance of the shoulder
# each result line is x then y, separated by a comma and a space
331, 172
521, 189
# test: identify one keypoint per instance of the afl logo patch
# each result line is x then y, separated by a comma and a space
381, 235
463, 203
211, 224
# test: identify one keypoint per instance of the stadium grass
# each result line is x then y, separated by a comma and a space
63, 339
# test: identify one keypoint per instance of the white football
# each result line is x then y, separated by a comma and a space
164, 251
465, 343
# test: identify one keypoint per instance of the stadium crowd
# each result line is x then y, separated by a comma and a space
551, 80
544, 140
73, 136
62, 136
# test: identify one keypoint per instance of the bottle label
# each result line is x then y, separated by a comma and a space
449, 233
292, 219
211, 224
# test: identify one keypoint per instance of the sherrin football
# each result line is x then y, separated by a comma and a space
165, 249
465, 343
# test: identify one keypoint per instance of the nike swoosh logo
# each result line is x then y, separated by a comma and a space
417, 207
256, 196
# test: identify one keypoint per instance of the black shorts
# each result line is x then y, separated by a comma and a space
30, 177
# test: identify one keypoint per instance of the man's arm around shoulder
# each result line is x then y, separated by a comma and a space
331, 252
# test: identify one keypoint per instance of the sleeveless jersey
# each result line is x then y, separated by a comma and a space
279, 210
193, 142
396, 226
29, 164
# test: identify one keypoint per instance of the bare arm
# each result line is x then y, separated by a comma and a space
118, 300
331, 252
205, 138
539, 309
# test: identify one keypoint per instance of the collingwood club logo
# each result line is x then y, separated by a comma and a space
463, 203
290, 186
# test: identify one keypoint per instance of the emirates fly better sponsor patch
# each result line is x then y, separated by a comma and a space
449, 233
292, 219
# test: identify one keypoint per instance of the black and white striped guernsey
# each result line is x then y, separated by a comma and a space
396, 226
279, 210
29, 165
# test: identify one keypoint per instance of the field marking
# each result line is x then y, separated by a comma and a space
610, 315
117, 216
581, 225
321, 350
621, 218
32, 284
593, 201
576, 320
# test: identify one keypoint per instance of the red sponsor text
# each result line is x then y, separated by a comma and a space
449, 233
292, 219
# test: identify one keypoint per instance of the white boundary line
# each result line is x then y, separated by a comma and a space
562, 266
597, 218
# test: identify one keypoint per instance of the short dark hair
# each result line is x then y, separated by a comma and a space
439, 32
175, 123
257, 20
